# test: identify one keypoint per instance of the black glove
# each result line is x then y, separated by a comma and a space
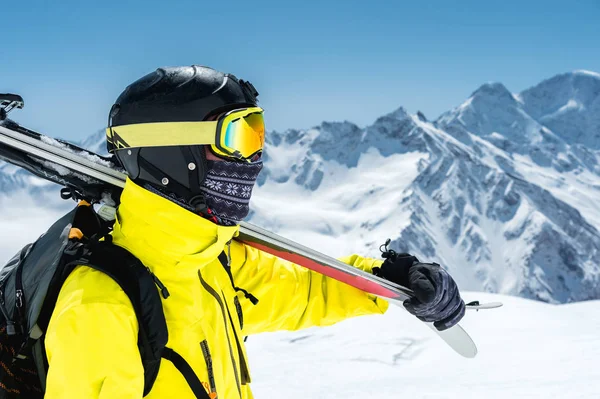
436, 297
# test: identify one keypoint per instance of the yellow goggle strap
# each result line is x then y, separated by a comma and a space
161, 134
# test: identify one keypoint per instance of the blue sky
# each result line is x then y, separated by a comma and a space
310, 60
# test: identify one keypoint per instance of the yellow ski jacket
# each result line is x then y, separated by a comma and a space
91, 342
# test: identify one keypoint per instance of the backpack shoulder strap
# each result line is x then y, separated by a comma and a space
187, 371
140, 285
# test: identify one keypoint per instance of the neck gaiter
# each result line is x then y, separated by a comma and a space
227, 189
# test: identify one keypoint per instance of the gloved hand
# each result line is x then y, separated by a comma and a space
436, 297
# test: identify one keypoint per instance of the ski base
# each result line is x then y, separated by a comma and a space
456, 337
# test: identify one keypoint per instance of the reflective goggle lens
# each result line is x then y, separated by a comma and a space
244, 135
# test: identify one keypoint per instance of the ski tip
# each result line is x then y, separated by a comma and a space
458, 339
476, 305
8, 97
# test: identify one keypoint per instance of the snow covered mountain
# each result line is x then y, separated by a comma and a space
501, 189
577, 120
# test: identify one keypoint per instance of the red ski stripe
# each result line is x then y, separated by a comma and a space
352, 280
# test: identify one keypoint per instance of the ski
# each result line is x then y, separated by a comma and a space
89, 176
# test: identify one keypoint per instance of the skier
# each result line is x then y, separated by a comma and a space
191, 139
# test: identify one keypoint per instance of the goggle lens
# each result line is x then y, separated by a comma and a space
245, 135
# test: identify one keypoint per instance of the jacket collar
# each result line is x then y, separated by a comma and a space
161, 233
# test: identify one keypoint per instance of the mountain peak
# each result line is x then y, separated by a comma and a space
494, 113
583, 72
567, 104
336, 140
580, 82
495, 90
399, 113
341, 127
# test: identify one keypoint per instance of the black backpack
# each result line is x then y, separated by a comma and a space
29, 286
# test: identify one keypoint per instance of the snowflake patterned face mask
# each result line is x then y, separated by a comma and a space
227, 189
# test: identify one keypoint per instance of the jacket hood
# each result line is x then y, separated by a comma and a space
164, 234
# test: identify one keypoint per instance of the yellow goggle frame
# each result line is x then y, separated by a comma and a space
238, 134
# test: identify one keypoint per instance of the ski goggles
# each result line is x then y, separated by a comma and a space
238, 134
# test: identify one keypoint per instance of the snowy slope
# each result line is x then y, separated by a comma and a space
527, 349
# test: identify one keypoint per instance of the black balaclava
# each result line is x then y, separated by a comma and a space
227, 189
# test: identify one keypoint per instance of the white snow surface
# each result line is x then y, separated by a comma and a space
329, 219
527, 349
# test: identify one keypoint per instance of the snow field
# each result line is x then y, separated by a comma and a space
527, 349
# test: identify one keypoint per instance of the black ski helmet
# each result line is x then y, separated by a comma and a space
174, 94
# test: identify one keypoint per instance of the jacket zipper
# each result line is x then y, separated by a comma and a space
209, 366
243, 364
220, 302
19, 294
238, 309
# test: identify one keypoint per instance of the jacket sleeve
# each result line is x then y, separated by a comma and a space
292, 297
91, 342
